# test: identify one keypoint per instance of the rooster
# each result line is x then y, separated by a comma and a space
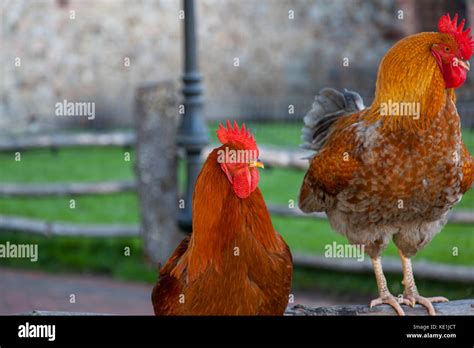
234, 263
393, 170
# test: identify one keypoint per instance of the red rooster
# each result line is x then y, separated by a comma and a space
395, 169
234, 263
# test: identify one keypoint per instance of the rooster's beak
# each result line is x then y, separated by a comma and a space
464, 64
256, 164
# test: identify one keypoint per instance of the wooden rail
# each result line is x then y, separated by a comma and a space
66, 189
108, 187
455, 216
24, 142
423, 269
13, 223
271, 156
458, 307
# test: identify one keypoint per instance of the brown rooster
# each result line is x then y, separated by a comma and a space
234, 263
395, 169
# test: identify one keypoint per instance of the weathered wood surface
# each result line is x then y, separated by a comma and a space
156, 120
458, 307
58, 313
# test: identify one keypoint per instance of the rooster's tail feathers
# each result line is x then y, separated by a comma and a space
328, 106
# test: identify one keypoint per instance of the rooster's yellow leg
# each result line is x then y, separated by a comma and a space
411, 292
384, 294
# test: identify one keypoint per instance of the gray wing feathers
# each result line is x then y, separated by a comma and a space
328, 106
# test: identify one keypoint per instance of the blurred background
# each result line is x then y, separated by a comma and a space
261, 62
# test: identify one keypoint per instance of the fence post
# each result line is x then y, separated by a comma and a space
156, 168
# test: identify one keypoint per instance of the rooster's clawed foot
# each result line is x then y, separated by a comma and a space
424, 301
391, 300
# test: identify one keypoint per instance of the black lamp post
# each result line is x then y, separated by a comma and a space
192, 132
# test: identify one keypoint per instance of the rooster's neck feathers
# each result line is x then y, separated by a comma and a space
220, 219
409, 74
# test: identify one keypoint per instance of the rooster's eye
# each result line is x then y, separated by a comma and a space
447, 49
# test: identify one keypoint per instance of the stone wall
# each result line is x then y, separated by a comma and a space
287, 50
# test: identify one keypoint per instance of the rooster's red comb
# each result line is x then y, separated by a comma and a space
235, 135
464, 40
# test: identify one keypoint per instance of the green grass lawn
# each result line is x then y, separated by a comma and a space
105, 255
